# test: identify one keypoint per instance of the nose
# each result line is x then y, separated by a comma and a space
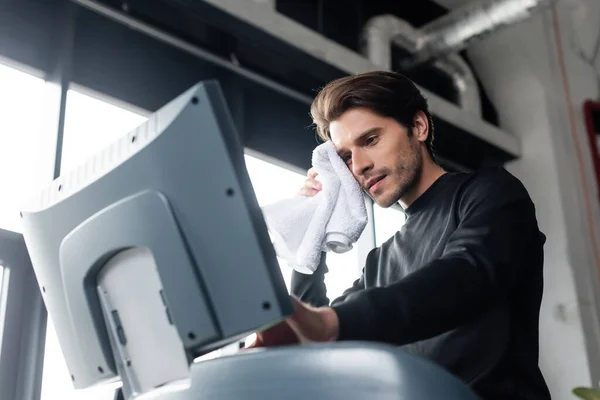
361, 163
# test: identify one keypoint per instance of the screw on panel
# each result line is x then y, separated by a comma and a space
195, 100
229, 192
266, 305
100, 370
192, 336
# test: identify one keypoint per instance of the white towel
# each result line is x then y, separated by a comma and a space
332, 220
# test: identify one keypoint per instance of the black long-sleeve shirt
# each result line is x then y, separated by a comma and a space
460, 284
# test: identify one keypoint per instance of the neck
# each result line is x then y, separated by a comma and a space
430, 172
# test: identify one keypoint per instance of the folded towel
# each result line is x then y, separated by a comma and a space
302, 227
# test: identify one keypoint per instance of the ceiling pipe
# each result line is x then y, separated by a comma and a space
383, 31
458, 29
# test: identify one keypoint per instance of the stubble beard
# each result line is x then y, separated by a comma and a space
409, 175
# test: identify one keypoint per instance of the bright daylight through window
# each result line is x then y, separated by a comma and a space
25, 150
388, 221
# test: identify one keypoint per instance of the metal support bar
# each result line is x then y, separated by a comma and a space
23, 324
60, 76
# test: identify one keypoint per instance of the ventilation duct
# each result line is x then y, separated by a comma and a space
382, 31
456, 30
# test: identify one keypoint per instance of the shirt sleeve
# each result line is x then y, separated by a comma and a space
480, 264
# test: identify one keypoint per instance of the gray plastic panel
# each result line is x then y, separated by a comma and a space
126, 280
338, 371
190, 152
142, 220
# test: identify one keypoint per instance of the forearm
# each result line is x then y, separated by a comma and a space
440, 296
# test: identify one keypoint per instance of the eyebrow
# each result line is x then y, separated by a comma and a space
361, 137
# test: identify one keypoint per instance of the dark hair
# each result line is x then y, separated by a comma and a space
387, 94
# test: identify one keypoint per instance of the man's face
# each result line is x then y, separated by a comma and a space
383, 158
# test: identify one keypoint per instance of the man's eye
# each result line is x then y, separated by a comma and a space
347, 159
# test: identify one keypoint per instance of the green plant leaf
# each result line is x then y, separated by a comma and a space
586, 393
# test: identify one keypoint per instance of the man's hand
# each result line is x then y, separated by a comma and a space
306, 325
311, 185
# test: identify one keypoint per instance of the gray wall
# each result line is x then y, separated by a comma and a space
526, 83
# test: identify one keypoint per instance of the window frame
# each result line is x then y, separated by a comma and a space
22, 322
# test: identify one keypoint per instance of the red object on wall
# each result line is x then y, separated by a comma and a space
591, 111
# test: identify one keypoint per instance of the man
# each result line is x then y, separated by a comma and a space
461, 283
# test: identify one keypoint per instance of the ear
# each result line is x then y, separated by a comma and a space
421, 126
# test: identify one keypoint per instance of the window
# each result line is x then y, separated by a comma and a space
343, 271
27, 148
388, 221
26, 152
90, 125
56, 381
